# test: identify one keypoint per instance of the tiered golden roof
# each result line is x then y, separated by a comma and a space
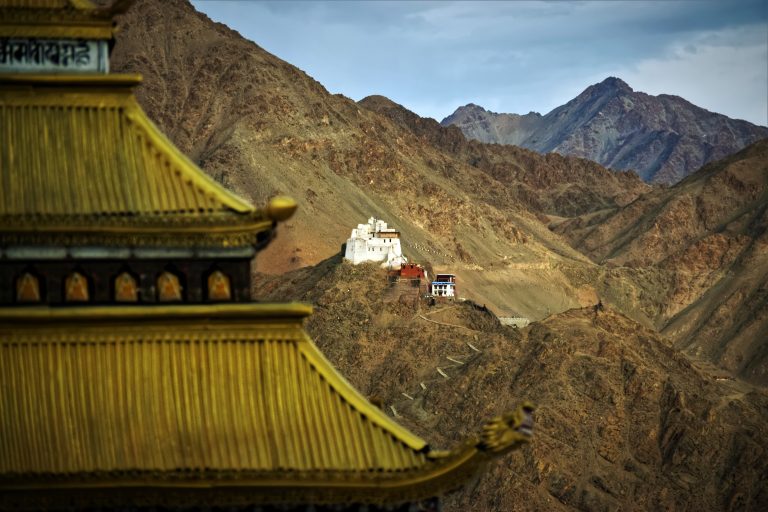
75, 19
82, 164
91, 128
127, 402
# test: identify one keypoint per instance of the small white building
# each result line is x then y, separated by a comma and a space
444, 285
375, 242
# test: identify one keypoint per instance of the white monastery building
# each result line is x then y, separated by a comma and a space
375, 242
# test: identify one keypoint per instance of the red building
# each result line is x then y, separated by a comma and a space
412, 271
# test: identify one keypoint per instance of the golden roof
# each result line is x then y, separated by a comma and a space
140, 399
82, 163
169, 405
78, 19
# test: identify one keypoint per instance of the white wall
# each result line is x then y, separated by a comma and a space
363, 245
444, 289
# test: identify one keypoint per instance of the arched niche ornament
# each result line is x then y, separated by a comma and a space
219, 287
126, 288
169, 287
76, 288
27, 288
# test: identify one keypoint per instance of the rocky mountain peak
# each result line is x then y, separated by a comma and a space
615, 83
380, 102
609, 88
663, 138
471, 111
471, 107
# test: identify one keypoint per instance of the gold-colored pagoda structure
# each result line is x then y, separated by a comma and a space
135, 371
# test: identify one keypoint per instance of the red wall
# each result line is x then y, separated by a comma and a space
412, 271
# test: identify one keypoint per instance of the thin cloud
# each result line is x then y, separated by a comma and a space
724, 71
508, 56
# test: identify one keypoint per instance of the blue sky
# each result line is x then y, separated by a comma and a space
517, 56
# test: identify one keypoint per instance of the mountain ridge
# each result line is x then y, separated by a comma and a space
624, 421
547, 184
664, 137
262, 127
708, 235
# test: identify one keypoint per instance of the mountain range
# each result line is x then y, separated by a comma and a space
624, 421
662, 138
705, 240
688, 260
657, 401
263, 127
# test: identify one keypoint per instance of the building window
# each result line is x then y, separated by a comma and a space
169, 287
27, 288
76, 288
219, 286
126, 288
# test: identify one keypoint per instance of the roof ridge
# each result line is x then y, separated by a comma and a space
353, 397
187, 168
106, 134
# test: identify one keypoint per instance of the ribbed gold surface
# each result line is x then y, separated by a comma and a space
35, 4
258, 399
78, 19
94, 151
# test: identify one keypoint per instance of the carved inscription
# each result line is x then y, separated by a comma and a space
52, 55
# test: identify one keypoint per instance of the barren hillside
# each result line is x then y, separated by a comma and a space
707, 240
263, 127
624, 421
550, 184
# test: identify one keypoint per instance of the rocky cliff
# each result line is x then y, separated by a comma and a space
706, 241
663, 138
